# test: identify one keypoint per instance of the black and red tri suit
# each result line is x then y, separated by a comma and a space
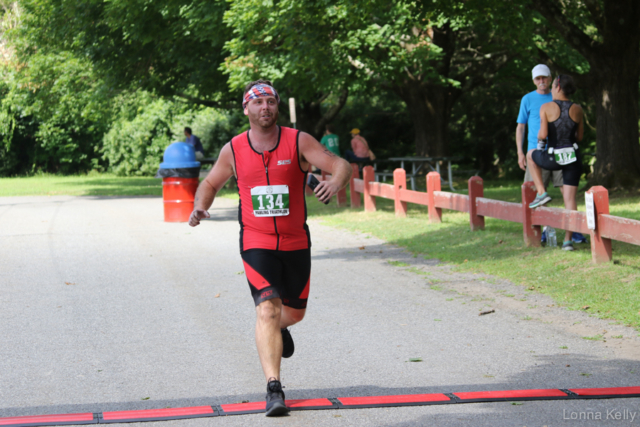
275, 249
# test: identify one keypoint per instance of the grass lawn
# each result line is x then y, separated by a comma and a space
86, 185
611, 290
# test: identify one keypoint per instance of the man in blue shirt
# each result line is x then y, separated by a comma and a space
194, 141
529, 116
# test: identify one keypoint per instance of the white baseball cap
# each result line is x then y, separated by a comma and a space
540, 70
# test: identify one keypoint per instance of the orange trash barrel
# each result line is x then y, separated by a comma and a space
179, 172
178, 195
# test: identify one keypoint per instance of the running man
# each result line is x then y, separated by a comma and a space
271, 164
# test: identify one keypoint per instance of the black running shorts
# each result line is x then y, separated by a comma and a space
278, 274
570, 173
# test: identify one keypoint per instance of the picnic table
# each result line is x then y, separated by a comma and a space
417, 163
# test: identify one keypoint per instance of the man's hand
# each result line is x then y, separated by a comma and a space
522, 161
197, 215
325, 190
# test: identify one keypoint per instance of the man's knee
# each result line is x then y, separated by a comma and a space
269, 310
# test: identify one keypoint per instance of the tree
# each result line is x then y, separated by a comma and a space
171, 47
74, 72
52, 110
427, 54
607, 34
291, 43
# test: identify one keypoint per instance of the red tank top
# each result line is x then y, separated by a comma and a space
261, 172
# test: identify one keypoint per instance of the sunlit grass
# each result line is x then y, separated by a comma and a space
611, 290
86, 185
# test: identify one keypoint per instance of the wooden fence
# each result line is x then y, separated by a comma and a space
608, 227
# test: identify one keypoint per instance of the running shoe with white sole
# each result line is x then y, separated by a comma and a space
540, 200
567, 245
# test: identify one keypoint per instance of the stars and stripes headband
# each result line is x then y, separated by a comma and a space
259, 90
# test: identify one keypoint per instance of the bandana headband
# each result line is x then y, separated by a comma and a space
259, 91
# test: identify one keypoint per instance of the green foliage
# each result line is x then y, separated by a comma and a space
383, 121
52, 111
264, 46
66, 100
425, 53
319, 46
145, 125
137, 138
214, 127
168, 46
78, 75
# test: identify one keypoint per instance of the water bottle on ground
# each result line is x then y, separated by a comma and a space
552, 240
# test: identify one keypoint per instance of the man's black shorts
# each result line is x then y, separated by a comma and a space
570, 173
278, 274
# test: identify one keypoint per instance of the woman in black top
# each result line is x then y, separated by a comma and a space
562, 122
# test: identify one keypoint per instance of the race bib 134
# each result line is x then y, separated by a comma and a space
270, 200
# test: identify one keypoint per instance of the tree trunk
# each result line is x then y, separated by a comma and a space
615, 92
429, 106
331, 113
311, 119
308, 114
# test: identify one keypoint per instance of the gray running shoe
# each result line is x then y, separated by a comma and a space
287, 343
567, 246
540, 200
275, 399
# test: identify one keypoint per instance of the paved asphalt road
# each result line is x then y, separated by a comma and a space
103, 306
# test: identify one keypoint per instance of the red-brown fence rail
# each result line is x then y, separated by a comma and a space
608, 227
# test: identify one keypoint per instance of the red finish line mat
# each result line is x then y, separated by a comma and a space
157, 414
317, 404
50, 420
398, 400
510, 395
604, 393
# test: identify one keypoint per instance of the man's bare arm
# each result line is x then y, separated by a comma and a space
522, 160
312, 152
211, 185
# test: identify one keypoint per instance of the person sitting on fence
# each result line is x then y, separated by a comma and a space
360, 152
561, 121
